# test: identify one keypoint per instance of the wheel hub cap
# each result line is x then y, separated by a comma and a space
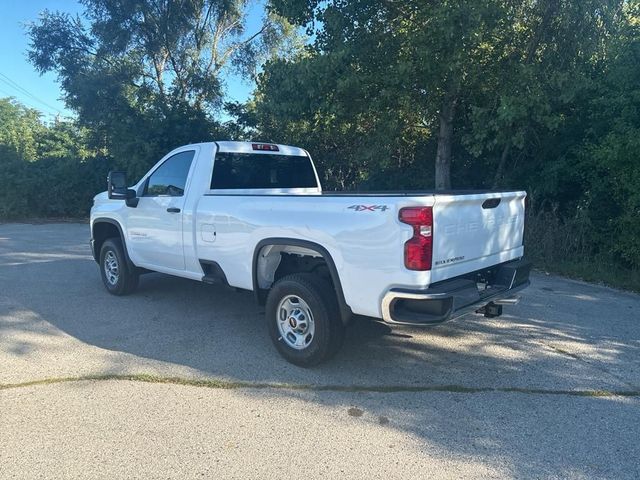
295, 322
111, 269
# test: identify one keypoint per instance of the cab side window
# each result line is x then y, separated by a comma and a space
170, 178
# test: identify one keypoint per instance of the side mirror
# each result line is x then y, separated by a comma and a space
117, 185
117, 189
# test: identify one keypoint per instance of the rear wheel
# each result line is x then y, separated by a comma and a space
117, 275
303, 319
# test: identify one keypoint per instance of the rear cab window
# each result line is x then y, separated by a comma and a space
242, 171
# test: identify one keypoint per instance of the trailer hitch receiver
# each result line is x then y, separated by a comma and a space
490, 310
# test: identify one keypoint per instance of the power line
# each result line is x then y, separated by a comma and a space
8, 81
30, 104
49, 115
20, 88
48, 108
25, 102
42, 112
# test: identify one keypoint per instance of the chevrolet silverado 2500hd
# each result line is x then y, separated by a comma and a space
253, 216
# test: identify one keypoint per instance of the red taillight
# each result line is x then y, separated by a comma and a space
265, 146
419, 248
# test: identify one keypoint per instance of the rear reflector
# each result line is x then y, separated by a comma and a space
265, 146
418, 250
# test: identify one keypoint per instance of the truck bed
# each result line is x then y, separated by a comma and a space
363, 234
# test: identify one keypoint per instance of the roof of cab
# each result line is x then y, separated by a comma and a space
246, 147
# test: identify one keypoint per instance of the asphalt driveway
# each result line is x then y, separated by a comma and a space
180, 380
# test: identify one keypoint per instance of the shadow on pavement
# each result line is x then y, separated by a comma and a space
565, 335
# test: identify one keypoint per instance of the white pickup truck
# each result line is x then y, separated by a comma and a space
253, 216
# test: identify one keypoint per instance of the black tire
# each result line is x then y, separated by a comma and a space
127, 277
320, 297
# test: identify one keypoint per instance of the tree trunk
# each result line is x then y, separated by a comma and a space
445, 141
501, 166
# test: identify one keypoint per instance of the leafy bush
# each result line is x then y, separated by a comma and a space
50, 187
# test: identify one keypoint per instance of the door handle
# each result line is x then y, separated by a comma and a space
491, 203
173, 210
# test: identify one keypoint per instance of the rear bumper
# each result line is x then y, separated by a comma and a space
456, 297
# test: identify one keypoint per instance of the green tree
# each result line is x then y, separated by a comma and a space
64, 139
606, 163
480, 77
146, 75
20, 130
46, 169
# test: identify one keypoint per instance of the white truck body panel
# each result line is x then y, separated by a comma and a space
468, 237
366, 245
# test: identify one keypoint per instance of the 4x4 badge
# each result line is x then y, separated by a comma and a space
369, 208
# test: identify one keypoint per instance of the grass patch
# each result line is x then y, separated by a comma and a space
228, 385
599, 272
570, 247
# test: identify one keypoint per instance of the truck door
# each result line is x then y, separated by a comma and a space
154, 234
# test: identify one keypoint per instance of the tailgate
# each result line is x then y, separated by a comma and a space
474, 231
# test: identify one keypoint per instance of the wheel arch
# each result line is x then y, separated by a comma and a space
260, 293
103, 228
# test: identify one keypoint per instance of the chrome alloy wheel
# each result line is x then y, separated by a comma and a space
295, 322
111, 269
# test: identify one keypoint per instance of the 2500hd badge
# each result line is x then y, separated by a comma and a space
449, 260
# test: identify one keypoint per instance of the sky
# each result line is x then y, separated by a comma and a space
19, 79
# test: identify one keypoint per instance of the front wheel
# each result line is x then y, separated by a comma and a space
116, 273
303, 319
